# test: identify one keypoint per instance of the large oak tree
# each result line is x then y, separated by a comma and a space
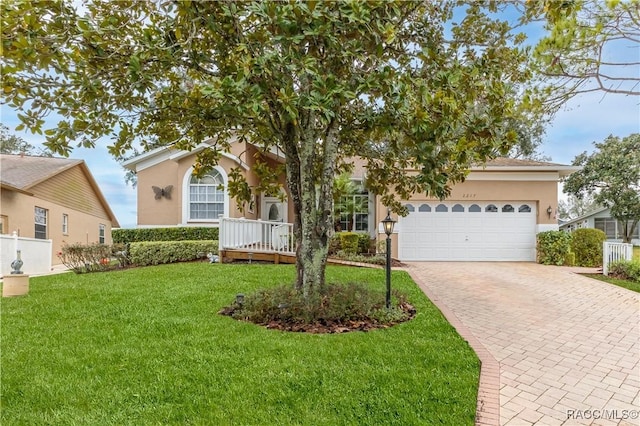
426, 86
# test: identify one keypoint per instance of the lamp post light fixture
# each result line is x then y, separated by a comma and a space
388, 224
549, 211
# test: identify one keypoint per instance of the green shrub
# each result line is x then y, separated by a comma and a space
81, 258
159, 252
334, 244
349, 242
364, 243
182, 233
570, 259
625, 270
553, 247
374, 259
586, 243
336, 304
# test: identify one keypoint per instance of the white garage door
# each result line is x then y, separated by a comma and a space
490, 231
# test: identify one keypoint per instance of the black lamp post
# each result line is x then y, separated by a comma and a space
388, 223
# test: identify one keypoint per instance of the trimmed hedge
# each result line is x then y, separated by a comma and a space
158, 252
363, 245
553, 247
587, 245
349, 242
182, 233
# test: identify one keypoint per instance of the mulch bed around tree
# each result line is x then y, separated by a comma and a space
331, 328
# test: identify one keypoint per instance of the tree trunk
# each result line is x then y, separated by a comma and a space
313, 206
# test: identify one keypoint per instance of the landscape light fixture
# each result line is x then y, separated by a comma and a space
549, 211
388, 224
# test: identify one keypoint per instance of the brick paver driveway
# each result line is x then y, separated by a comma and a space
562, 349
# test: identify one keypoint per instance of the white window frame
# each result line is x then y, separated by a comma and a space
65, 224
45, 216
102, 230
186, 197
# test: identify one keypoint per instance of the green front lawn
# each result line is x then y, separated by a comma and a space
631, 285
146, 346
636, 252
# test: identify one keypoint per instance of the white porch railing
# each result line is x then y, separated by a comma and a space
35, 253
255, 235
612, 252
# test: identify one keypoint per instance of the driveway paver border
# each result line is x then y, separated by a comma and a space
488, 403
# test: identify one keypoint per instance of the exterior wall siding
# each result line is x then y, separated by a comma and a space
82, 227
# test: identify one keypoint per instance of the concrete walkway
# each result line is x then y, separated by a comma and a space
556, 348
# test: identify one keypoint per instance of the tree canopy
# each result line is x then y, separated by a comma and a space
429, 87
590, 45
12, 144
611, 174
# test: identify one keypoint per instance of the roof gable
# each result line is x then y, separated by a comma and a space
50, 177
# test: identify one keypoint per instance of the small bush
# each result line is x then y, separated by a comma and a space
553, 247
628, 270
349, 242
81, 258
160, 252
335, 306
180, 233
374, 260
586, 243
570, 259
364, 243
334, 245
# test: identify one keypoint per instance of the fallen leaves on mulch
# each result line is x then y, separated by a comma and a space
330, 327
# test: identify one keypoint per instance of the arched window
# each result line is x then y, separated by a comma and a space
524, 208
424, 208
508, 208
474, 208
410, 208
491, 208
457, 208
206, 197
442, 208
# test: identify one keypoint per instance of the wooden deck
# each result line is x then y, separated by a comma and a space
227, 256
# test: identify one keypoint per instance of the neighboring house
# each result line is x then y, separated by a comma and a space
601, 219
53, 199
494, 215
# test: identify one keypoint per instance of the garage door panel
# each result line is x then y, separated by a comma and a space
468, 235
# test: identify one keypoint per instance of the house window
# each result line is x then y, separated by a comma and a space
424, 208
524, 208
508, 208
442, 208
607, 225
474, 208
206, 196
613, 229
410, 208
457, 208
491, 208
4, 224
101, 229
40, 223
354, 211
65, 224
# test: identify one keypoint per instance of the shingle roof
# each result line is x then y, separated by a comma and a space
23, 172
510, 162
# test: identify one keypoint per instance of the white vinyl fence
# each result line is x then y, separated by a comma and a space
35, 254
255, 235
613, 252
